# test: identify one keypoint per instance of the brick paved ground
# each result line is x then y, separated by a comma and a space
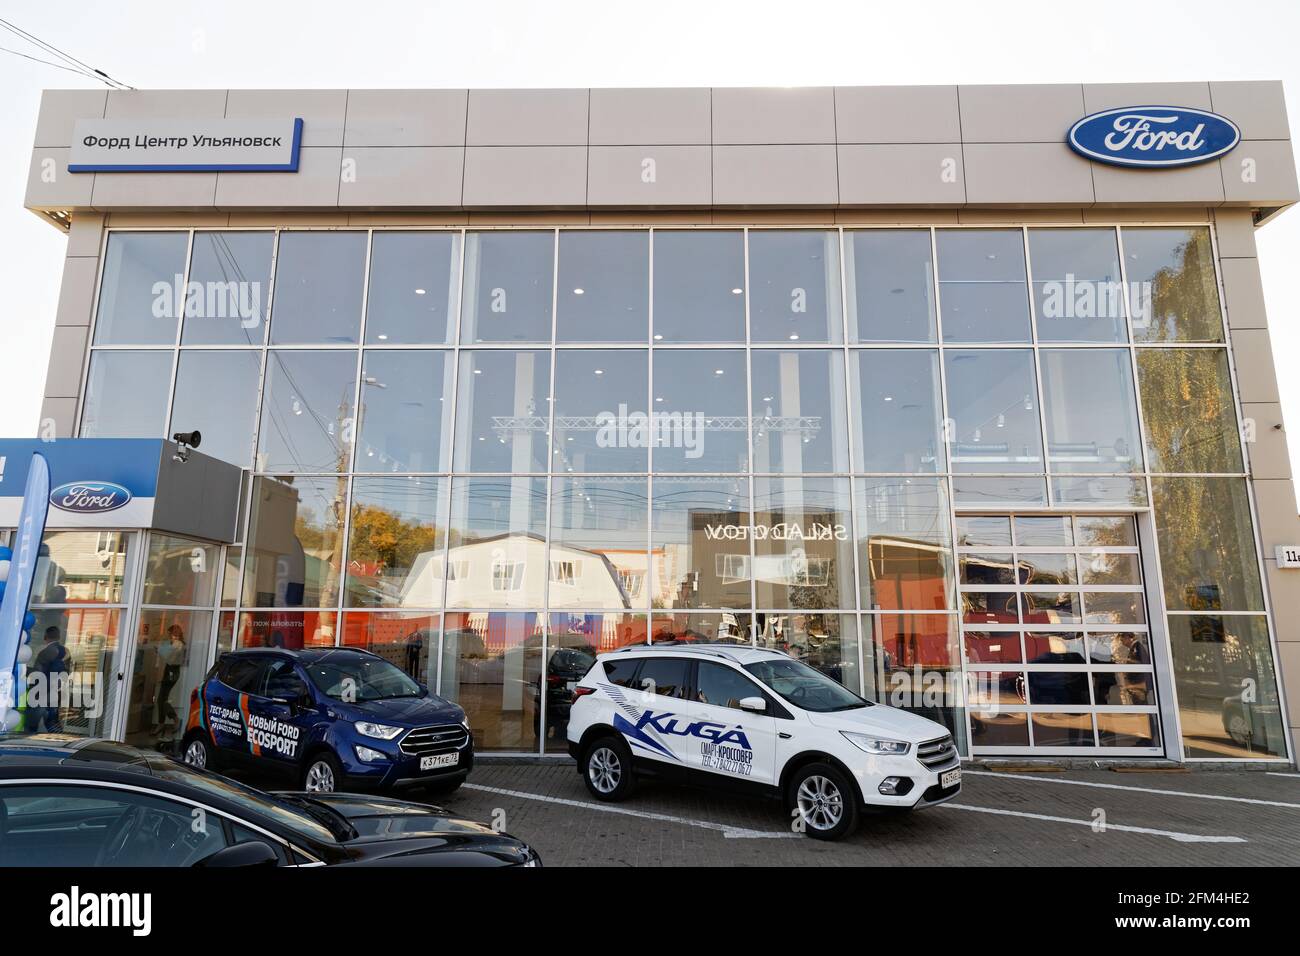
665, 825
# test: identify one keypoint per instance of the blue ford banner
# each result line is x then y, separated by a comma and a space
98, 482
18, 585
1153, 137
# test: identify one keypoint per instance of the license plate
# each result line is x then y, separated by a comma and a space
439, 760
950, 779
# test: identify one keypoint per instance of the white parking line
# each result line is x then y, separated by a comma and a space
730, 832
1117, 786
1171, 834
1276, 773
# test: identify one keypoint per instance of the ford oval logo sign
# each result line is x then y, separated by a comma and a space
1153, 137
89, 497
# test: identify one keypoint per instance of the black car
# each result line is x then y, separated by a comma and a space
73, 801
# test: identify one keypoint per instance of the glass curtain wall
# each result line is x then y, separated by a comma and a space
490, 455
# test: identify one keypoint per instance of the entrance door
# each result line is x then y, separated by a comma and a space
1056, 646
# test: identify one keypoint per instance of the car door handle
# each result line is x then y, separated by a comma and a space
783, 735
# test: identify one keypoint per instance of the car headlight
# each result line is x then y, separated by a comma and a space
378, 731
877, 745
366, 755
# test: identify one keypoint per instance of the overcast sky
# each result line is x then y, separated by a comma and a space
510, 43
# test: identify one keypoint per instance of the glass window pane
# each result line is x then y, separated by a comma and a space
1175, 297
229, 287
230, 580
1069, 688
1091, 411
699, 543
721, 627
1123, 689
995, 728
699, 286
1105, 531
395, 543
800, 419
993, 402
890, 279
498, 543
983, 531
1121, 647
1045, 531
1115, 609
1054, 607
503, 415
1099, 567
141, 291
412, 295
307, 411
1054, 647
216, 394
405, 401
1227, 686
1078, 292
600, 410
1191, 423
290, 629
508, 284
982, 291
828, 642
701, 411
180, 571
1128, 730
911, 647
1094, 490
408, 640
1044, 570
897, 411
794, 286
803, 547
990, 607
126, 395
319, 286
904, 544
295, 542
171, 657
492, 667
82, 567
987, 568
1207, 545
1062, 730
992, 647
1003, 492
604, 293
598, 557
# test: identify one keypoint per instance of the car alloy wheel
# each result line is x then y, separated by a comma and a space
196, 755
604, 769
820, 803
320, 778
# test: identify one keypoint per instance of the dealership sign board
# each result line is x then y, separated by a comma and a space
1153, 137
178, 145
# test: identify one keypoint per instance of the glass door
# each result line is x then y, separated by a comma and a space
1056, 646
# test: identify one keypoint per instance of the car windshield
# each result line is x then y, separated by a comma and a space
804, 687
354, 678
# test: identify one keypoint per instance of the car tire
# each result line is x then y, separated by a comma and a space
322, 773
607, 769
197, 751
823, 800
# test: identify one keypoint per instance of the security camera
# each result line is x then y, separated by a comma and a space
186, 442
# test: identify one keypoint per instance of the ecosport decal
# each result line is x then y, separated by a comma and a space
90, 497
722, 747
1153, 137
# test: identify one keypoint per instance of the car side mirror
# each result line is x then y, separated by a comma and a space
756, 705
253, 853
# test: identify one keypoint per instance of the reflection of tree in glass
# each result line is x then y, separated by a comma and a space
383, 538
1184, 304
1191, 424
1206, 556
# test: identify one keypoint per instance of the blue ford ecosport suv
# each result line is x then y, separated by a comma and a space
336, 718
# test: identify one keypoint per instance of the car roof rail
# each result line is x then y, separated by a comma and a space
702, 647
